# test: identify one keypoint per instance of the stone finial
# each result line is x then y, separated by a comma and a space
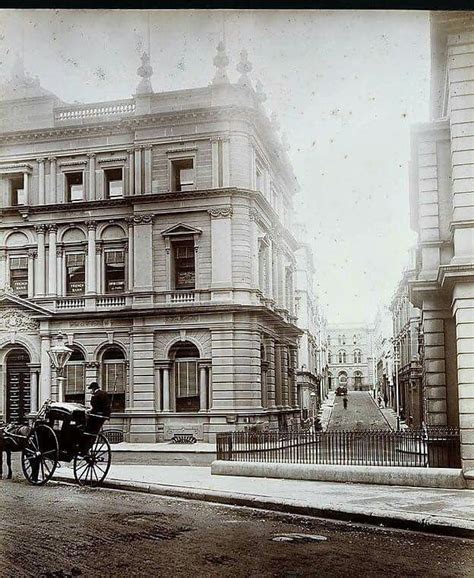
244, 67
261, 96
274, 122
145, 71
284, 142
221, 62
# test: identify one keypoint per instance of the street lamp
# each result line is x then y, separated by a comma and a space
312, 395
59, 355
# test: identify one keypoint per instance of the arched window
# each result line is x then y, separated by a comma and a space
330, 378
357, 356
342, 378
75, 374
343, 340
114, 377
357, 379
342, 356
185, 355
354, 338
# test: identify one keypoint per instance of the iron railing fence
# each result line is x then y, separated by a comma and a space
436, 447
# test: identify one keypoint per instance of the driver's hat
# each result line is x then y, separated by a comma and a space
93, 385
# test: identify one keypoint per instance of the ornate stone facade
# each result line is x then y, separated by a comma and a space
138, 246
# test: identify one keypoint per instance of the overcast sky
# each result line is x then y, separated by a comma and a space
346, 86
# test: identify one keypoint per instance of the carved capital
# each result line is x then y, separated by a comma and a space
53, 228
129, 221
40, 161
32, 253
59, 252
52, 159
40, 229
220, 213
3, 254
93, 364
143, 219
91, 225
91, 155
254, 215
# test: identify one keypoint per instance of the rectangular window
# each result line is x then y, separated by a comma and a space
75, 273
114, 183
186, 379
259, 179
114, 373
17, 196
184, 265
19, 275
182, 175
75, 378
75, 187
114, 271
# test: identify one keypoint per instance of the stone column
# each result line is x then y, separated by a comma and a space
463, 309
31, 272
148, 156
91, 157
3, 267
26, 187
278, 375
226, 162
33, 388
143, 245
59, 272
131, 172
435, 313
254, 249
215, 183
166, 389
276, 271
91, 256
52, 180
221, 247
41, 182
138, 171
269, 268
158, 381
41, 262
99, 269
203, 388
52, 289
45, 376
130, 253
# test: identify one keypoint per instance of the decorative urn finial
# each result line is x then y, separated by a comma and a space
261, 96
244, 67
145, 71
221, 62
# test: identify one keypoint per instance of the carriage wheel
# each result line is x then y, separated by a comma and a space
91, 468
40, 456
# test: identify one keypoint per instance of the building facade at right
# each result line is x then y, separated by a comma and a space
442, 213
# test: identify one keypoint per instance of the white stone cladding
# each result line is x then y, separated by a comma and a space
243, 330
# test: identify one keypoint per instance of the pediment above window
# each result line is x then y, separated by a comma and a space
180, 229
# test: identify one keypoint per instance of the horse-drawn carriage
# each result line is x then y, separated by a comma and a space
65, 432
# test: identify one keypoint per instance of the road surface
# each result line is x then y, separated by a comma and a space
58, 531
361, 413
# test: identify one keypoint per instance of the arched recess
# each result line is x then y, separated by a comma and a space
111, 232
113, 375
184, 356
358, 380
75, 374
17, 239
342, 378
73, 235
176, 341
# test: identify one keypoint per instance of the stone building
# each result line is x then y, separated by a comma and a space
383, 355
153, 233
407, 349
442, 212
350, 356
312, 357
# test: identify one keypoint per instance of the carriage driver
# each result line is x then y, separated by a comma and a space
100, 408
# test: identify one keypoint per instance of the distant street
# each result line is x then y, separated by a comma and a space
361, 413
64, 531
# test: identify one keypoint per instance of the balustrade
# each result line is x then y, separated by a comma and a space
95, 111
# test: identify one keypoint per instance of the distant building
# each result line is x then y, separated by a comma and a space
383, 355
154, 233
442, 213
312, 355
350, 356
407, 350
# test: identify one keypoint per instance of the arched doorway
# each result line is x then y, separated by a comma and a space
185, 356
18, 385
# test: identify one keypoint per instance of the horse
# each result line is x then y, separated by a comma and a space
12, 439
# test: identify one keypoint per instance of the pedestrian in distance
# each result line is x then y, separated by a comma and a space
385, 399
344, 401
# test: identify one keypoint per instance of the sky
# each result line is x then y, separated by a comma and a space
346, 87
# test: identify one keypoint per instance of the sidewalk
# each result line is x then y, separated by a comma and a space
435, 510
